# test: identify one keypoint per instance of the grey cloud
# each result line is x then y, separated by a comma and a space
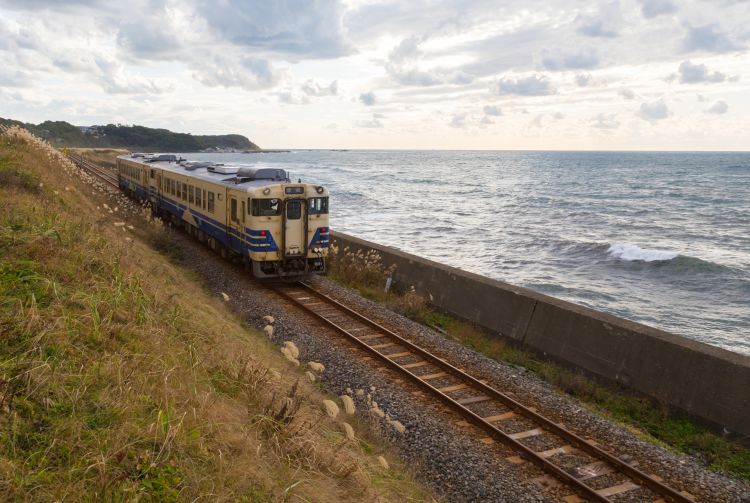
458, 121
368, 99
529, 86
248, 73
372, 123
492, 110
720, 107
583, 80
690, 74
402, 67
653, 111
653, 8
291, 28
708, 38
605, 121
538, 120
596, 28
293, 98
626, 93
486, 120
312, 88
575, 61
13, 78
114, 80
149, 37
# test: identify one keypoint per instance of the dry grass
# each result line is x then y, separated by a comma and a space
102, 156
121, 379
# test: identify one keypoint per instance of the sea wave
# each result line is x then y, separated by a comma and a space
631, 253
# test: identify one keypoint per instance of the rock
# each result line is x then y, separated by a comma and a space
293, 350
331, 408
383, 463
288, 355
348, 431
348, 404
316, 367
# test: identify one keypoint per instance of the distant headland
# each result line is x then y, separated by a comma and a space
141, 138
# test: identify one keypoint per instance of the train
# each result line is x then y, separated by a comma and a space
277, 227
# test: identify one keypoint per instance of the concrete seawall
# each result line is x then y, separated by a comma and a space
708, 383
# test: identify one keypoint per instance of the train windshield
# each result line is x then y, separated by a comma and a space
265, 207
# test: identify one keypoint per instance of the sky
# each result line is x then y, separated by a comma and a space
454, 74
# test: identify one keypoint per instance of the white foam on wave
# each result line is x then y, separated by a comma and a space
631, 252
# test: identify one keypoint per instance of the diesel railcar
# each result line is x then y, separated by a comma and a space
257, 213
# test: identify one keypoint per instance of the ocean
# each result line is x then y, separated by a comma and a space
658, 238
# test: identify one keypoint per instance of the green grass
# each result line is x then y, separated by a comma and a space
650, 420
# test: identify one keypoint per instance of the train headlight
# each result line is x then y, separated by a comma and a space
319, 189
266, 191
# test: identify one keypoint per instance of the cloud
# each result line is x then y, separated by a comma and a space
458, 121
486, 121
691, 74
403, 67
626, 93
368, 98
292, 29
373, 123
596, 28
115, 80
653, 111
708, 38
583, 79
312, 88
720, 107
529, 86
492, 110
247, 72
539, 119
150, 37
13, 78
653, 8
605, 121
575, 61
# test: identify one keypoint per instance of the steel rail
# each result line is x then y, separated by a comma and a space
547, 425
97, 171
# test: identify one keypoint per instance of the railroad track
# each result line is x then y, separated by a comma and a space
596, 474
103, 174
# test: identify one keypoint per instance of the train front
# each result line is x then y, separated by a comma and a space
289, 232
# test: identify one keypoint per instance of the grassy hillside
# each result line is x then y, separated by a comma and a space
61, 133
121, 379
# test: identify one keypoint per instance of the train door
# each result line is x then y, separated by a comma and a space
295, 227
236, 217
151, 184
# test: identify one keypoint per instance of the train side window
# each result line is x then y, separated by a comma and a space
317, 206
233, 205
153, 174
205, 196
210, 202
243, 212
184, 192
266, 207
198, 199
191, 194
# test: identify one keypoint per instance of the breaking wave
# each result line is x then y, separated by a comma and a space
631, 253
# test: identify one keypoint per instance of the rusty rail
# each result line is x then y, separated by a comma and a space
301, 294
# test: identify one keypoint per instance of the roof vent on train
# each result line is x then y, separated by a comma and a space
223, 169
249, 174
